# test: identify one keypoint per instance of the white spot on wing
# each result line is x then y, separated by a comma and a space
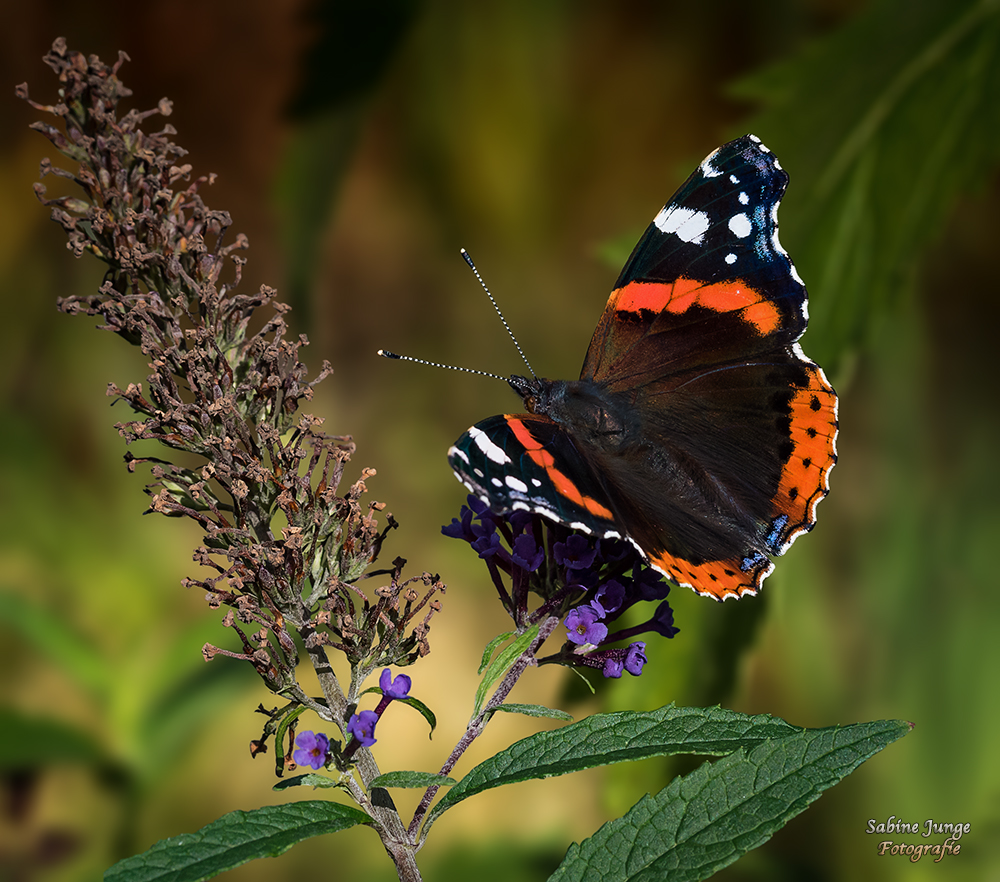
689, 225
707, 169
492, 451
744, 199
733, 179
454, 451
740, 225
730, 258
516, 484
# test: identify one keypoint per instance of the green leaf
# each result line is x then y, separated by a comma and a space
353, 45
51, 635
883, 125
583, 677
32, 742
415, 703
501, 663
412, 779
706, 820
279, 738
176, 712
233, 840
603, 739
424, 710
309, 779
491, 647
534, 710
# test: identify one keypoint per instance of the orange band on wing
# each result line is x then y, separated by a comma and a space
717, 578
678, 297
544, 460
805, 478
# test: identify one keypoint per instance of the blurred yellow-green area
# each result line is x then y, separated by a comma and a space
359, 146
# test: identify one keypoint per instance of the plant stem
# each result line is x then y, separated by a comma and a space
378, 805
478, 723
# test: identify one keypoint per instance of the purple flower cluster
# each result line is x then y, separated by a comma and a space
590, 581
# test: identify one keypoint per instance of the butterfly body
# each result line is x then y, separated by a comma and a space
698, 430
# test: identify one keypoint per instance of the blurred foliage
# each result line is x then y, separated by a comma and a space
533, 133
908, 123
352, 46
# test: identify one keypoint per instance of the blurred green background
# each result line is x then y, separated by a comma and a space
359, 145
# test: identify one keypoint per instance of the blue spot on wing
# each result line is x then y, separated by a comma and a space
773, 540
750, 563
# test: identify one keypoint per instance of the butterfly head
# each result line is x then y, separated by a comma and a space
534, 392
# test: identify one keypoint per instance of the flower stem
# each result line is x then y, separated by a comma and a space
478, 723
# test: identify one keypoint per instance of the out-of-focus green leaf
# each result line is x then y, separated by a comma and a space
170, 722
356, 42
883, 125
36, 742
52, 636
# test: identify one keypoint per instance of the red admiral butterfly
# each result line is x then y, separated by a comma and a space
698, 430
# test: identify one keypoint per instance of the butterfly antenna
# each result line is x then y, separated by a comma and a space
472, 266
385, 353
